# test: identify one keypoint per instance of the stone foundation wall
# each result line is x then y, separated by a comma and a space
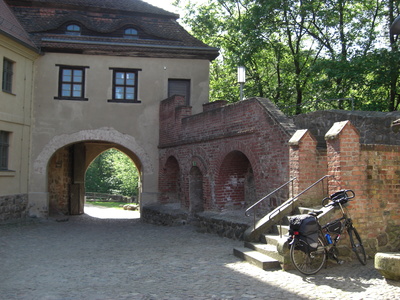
225, 225
166, 215
13, 207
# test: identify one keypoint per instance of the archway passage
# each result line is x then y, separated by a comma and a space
235, 187
196, 190
66, 175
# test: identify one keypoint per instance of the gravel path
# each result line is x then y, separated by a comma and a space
119, 258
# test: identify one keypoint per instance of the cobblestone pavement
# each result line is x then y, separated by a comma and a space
102, 259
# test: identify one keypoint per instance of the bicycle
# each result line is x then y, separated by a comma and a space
310, 260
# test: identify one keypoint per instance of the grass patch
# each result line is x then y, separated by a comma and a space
108, 204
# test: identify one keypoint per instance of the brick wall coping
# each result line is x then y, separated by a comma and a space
335, 130
296, 138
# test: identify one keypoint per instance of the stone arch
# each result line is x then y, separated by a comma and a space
72, 149
103, 134
67, 174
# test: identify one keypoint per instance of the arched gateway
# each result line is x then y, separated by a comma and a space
59, 170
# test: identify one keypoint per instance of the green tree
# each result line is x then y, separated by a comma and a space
299, 51
112, 172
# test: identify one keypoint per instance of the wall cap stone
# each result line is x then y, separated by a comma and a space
335, 130
297, 137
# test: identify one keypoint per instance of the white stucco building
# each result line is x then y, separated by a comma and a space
103, 68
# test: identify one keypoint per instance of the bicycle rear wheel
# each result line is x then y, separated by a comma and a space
357, 245
308, 263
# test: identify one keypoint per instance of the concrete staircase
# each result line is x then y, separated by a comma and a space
271, 251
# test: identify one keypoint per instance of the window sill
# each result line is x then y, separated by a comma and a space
123, 101
8, 92
7, 173
71, 99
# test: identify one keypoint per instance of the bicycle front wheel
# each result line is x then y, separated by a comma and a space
357, 245
308, 263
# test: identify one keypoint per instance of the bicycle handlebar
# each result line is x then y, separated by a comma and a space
340, 197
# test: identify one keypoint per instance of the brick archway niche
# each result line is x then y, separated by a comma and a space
170, 184
235, 187
196, 195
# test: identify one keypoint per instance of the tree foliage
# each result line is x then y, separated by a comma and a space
302, 53
112, 172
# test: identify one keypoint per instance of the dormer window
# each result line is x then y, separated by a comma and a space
131, 33
73, 29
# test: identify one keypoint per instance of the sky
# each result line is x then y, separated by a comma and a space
167, 4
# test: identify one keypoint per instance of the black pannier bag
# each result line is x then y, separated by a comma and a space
308, 227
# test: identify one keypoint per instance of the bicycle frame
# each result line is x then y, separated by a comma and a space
346, 224
309, 261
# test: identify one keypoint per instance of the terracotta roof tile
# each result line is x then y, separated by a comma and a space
103, 22
10, 26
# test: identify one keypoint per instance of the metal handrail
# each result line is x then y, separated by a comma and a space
290, 201
267, 196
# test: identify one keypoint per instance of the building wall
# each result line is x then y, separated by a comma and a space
15, 117
58, 123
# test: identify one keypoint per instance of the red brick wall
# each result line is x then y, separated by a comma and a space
247, 134
243, 152
307, 165
381, 212
372, 171
59, 182
170, 187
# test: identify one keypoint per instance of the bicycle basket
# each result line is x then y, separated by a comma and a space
335, 227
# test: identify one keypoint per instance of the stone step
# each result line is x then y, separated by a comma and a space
273, 239
266, 249
280, 229
258, 259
